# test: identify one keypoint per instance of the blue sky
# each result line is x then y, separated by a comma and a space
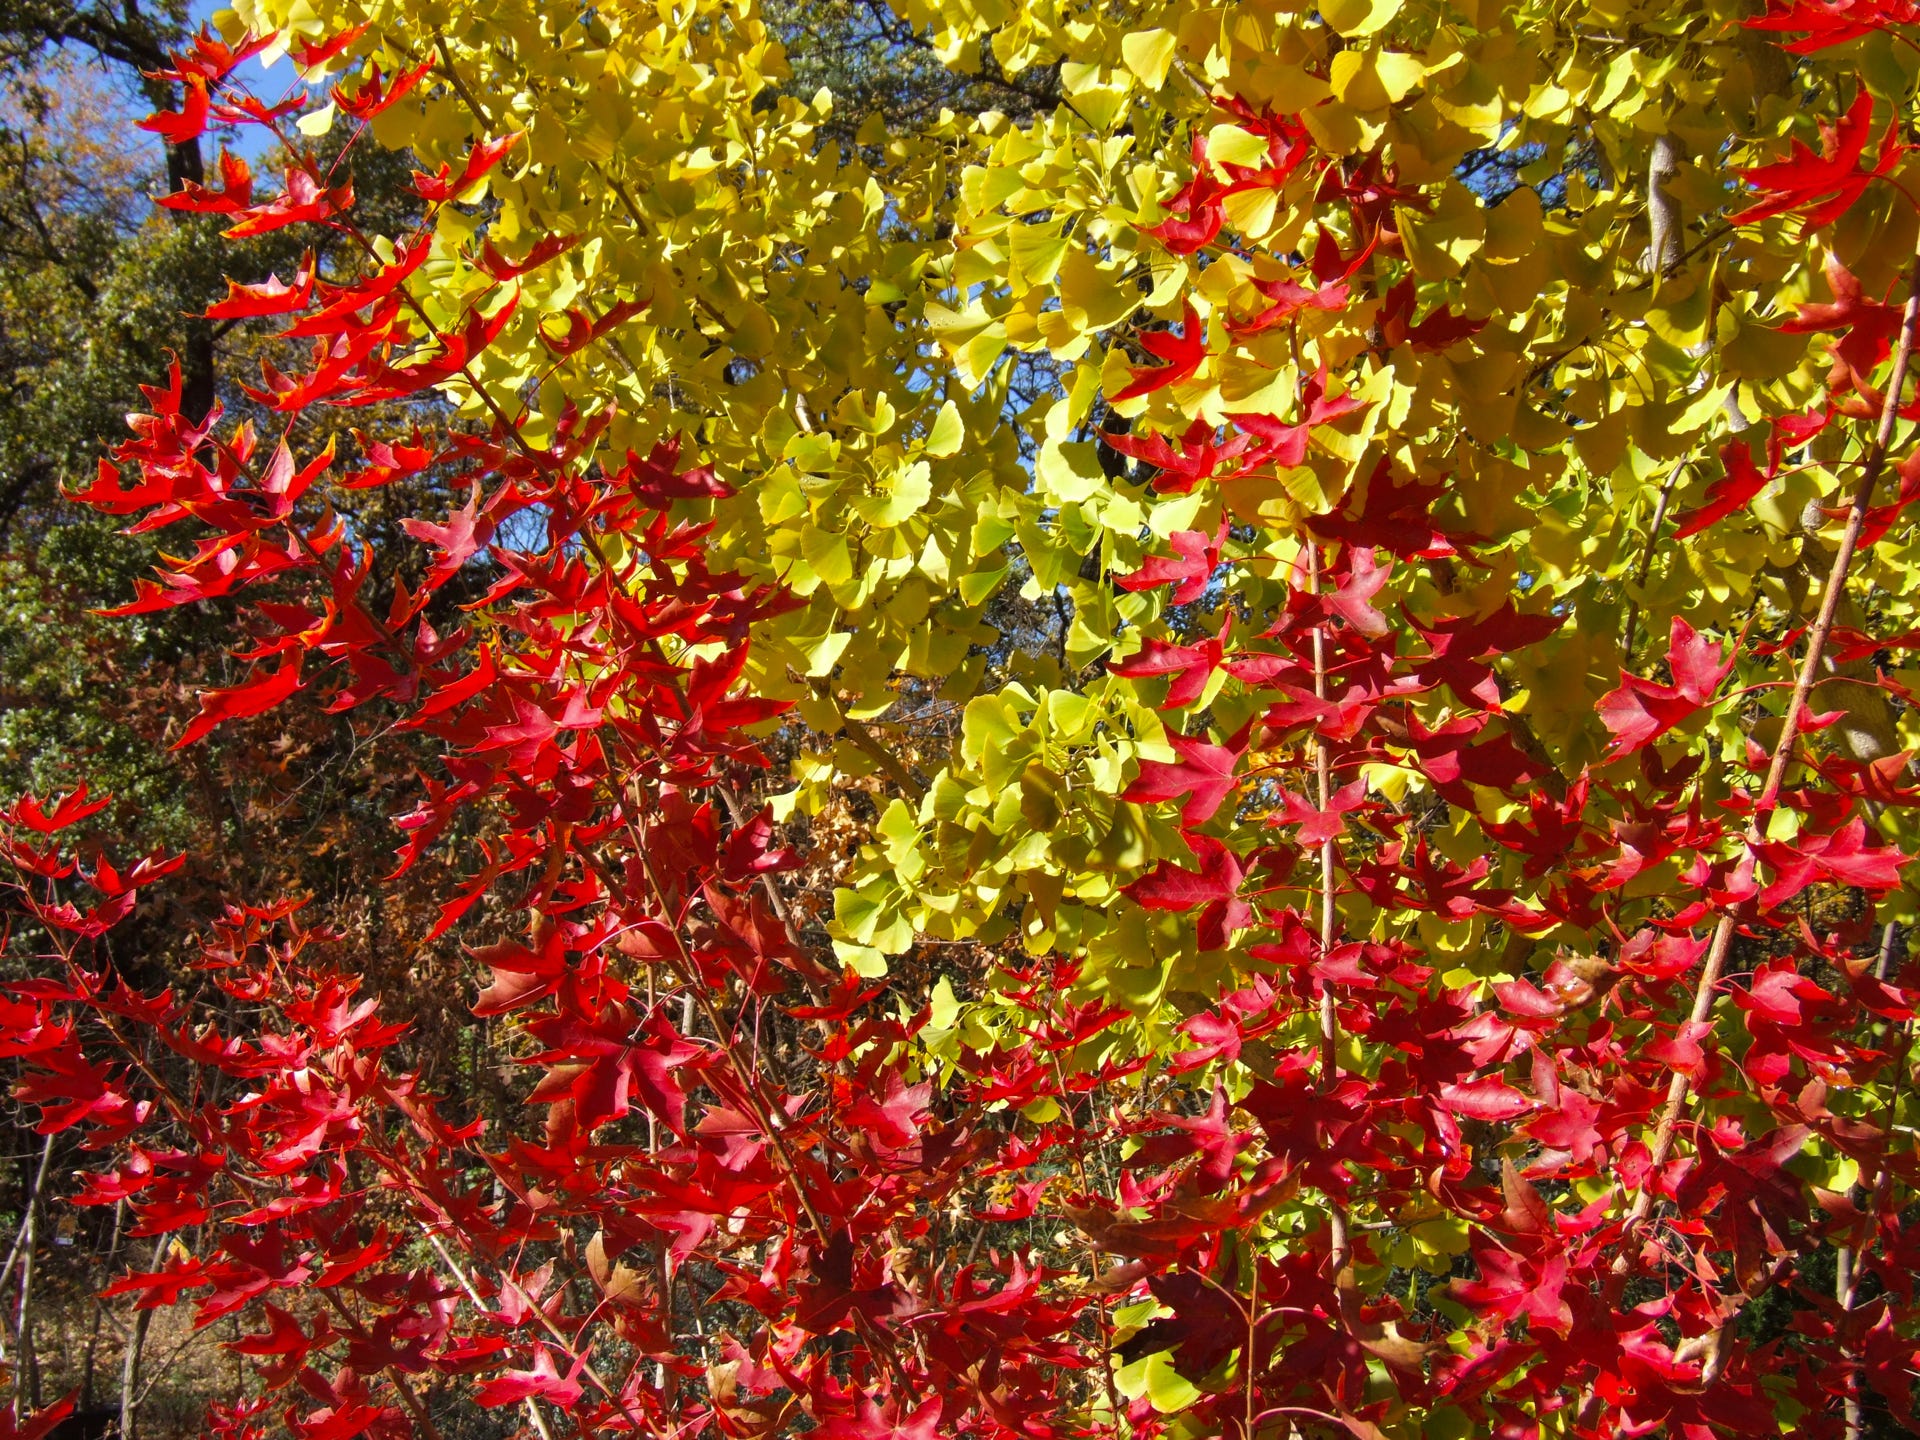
248, 141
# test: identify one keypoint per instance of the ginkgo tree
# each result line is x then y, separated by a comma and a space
1418, 947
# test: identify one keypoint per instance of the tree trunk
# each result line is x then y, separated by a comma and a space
130, 1368
99, 1310
197, 372
26, 1383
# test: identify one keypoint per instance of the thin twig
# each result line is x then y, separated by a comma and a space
20, 1235
1848, 1265
688, 974
452, 73
864, 739
400, 1383
1329, 1011
1645, 567
1706, 991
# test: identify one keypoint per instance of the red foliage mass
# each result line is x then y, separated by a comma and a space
378, 1245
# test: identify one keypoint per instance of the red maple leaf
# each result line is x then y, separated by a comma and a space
1198, 555
1171, 887
1879, 519
1842, 857
656, 482
1487, 1098
1822, 187
1360, 578
257, 696
1195, 212
582, 330
211, 59
1183, 353
870, 1421
378, 93
189, 122
1440, 329
1868, 325
1286, 443
1180, 470
303, 199
521, 976
466, 533
1317, 825
1190, 665
1733, 491
234, 196
57, 814
1639, 712
543, 250
1215, 887
1330, 291
1457, 643
1514, 1285
312, 54
544, 1382
1203, 775
1826, 23
272, 296
40, 1423
1395, 517
443, 186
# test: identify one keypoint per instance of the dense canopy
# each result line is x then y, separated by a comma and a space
1139, 720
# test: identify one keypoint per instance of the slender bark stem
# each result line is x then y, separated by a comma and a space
1706, 990
1329, 919
100, 1309
130, 1361
560, 1340
1645, 567
22, 1238
1847, 1271
452, 72
1253, 1336
864, 739
764, 1111
26, 1368
1843, 1292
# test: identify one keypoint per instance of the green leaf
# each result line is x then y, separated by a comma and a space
1149, 54
1355, 18
1228, 144
947, 434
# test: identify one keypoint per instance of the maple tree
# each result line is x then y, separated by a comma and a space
1419, 946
